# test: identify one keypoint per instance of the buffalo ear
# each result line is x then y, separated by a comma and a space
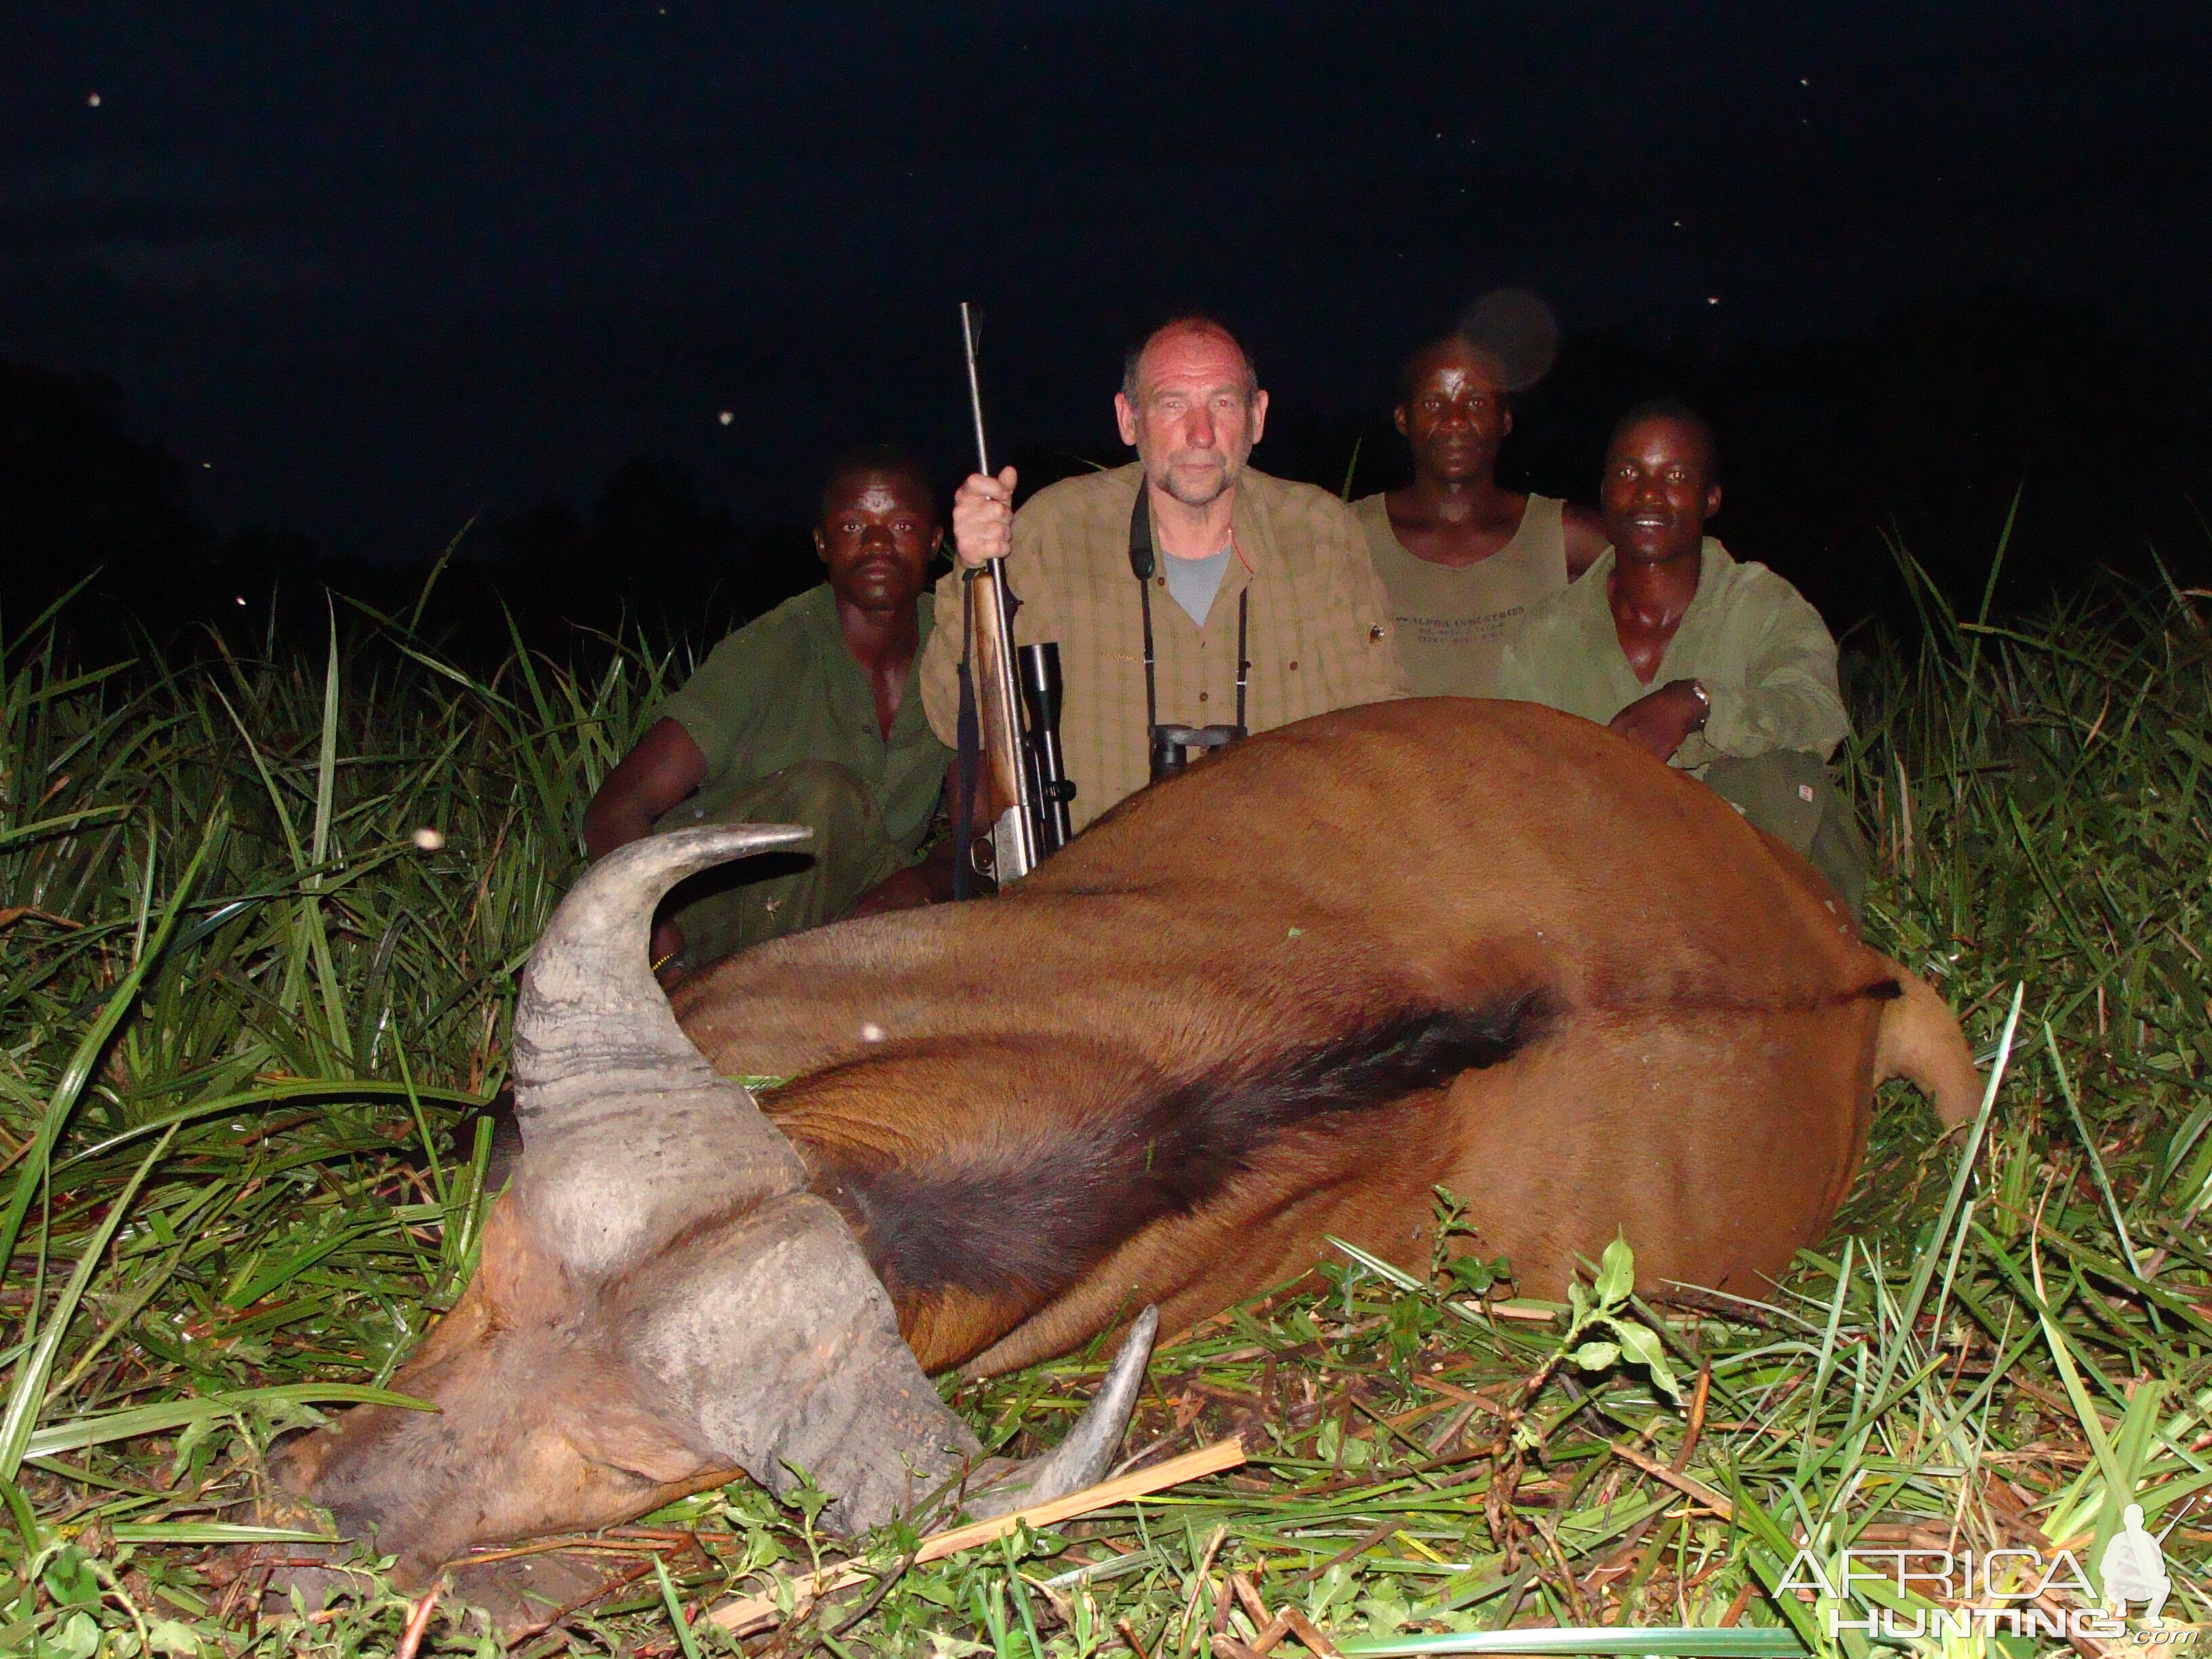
624, 1437
295, 1460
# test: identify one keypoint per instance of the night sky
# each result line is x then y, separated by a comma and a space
372, 269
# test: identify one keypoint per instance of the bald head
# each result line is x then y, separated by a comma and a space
1193, 329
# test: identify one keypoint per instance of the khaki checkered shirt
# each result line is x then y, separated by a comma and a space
1321, 624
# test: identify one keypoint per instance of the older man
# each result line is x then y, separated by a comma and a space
1239, 556
1464, 559
1720, 668
807, 716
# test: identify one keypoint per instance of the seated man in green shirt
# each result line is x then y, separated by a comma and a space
808, 715
1720, 668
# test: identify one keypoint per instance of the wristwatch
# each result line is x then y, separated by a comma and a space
1704, 703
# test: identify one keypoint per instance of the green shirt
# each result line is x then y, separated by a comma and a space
784, 689
1762, 654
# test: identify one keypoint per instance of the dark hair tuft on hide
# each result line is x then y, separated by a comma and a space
1039, 1214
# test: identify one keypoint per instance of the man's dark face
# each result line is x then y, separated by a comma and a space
1455, 415
878, 533
1658, 491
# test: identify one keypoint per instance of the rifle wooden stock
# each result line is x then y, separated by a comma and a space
989, 618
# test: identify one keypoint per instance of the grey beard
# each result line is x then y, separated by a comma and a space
1225, 480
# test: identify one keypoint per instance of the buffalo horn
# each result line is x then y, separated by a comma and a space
1083, 1458
628, 1133
781, 1342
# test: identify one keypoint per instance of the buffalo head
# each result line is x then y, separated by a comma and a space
661, 1302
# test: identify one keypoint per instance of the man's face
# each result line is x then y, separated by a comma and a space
1456, 415
1195, 417
878, 533
1658, 491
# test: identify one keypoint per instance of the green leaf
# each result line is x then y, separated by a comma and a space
1472, 1272
1597, 1356
135, 1420
208, 1532
668, 1600
75, 1637
70, 1579
167, 1635
1641, 1344
29, 1389
77, 1075
1616, 1272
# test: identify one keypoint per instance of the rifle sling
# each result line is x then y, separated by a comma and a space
1243, 657
1142, 563
967, 759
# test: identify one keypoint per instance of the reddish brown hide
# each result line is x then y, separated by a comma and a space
1480, 946
1484, 946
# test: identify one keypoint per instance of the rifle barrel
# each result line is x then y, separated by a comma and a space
975, 390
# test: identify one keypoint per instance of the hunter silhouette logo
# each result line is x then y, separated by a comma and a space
2133, 1568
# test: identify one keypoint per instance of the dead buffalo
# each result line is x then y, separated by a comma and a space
1479, 946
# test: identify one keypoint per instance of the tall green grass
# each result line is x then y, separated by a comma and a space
245, 1001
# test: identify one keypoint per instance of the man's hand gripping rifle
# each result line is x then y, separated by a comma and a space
1017, 693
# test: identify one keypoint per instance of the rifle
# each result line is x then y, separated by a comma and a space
1017, 698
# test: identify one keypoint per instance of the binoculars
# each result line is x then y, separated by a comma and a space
1173, 747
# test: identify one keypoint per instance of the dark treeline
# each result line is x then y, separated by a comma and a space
84, 501
1925, 431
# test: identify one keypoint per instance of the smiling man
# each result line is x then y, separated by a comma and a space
807, 716
1463, 558
1239, 554
1717, 667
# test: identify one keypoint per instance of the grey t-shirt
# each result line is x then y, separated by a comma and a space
1193, 582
